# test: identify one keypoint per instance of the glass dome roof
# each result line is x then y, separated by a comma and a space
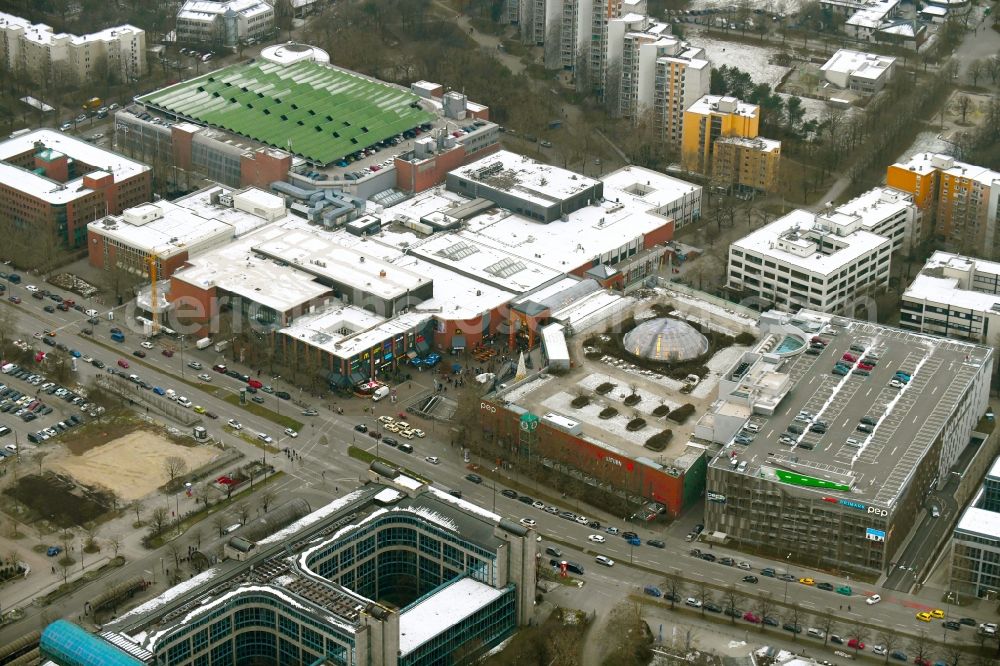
665, 340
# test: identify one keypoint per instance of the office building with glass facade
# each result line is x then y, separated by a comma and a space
394, 574
975, 545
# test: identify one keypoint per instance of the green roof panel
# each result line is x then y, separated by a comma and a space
251, 98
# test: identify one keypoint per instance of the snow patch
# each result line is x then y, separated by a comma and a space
171, 594
432, 516
755, 60
313, 517
464, 504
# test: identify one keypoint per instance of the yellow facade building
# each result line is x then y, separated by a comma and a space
721, 139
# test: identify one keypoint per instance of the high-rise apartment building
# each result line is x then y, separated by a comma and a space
959, 202
34, 50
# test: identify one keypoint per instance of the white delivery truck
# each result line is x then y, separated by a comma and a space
221, 346
380, 392
203, 343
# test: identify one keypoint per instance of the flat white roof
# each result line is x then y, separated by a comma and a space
121, 168
345, 330
872, 14
426, 619
858, 63
876, 205
173, 230
554, 338
934, 284
334, 257
758, 143
237, 269
924, 163
208, 9
43, 34
764, 241
287, 54
525, 178
979, 521
710, 104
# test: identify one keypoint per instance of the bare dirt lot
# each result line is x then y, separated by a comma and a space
131, 465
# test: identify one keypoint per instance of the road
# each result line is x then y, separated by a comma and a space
326, 471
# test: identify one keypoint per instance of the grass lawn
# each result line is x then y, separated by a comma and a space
264, 412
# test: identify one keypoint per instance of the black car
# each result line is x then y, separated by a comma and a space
708, 557
834, 638
824, 586
750, 579
712, 607
868, 420
733, 612
390, 441
629, 535
899, 655
259, 400
524, 499
594, 524
794, 628
361, 427
968, 621
49, 309
97, 363
233, 374
952, 624
475, 478
728, 561
212, 415
656, 543
56, 297
507, 492
568, 515
283, 395
770, 621
671, 596
817, 428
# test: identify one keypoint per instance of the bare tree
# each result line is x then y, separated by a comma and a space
962, 105
993, 68
218, 522
243, 511
174, 550
732, 598
158, 519
826, 623
703, 594
673, 587
136, 505
763, 607
623, 632
115, 543
40, 458
888, 639
794, 615
860, 632
174, 466
977, 68
953, 654
266, 498
920, 647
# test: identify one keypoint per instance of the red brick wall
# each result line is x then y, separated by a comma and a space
594, 460
194, 304
263, 167
181, 144
657, 236
57, 169
424, 175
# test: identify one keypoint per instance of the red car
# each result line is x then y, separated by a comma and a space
168, 352
855, 644
219, 368
750, 617
865, 366
817, 340
16, 300
920, 661
849, 358
123, 363
253, 383
69, 302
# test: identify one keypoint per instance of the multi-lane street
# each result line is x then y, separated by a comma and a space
322, 470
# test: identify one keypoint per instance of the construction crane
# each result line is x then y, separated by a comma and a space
154, 303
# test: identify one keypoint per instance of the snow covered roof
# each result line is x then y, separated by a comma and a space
426, 619
858, 63
84, 154
40, 33
947, 279
526, 178
206, 10
925, 163
979, 521
719, 104
872, 14
346, 330
286, 54
788, 240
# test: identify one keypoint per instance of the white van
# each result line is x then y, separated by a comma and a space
380, 392
7, 369
752, 427
184, 402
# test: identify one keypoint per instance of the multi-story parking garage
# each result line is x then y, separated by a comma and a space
394, 573
835, 465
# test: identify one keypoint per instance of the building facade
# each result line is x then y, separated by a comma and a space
406, 575
975, 543
57, 183
33, 50
960, 202
868, 490
955, 297
224, 24
746, 164
865, 73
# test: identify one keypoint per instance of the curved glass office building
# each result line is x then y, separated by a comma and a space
396, 573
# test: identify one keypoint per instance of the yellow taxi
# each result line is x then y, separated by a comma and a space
937, 613
807, 581
199, 409
924, 616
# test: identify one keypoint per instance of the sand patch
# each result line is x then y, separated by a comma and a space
132, 465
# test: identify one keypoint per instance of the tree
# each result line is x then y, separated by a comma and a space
826, 624
794, 615
860, 632
977, 69
136, 505
40, 458
218, 522
266, 498
673, 586
794, 111
920, 647
703, 594
625, 634
243, 511
732, 597
158, 519
993, 68
115, 543
953, 654
888, 639
962, 105
763, 607
174, 466
174, 550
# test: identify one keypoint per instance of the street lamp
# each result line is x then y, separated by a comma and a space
787, 557
274, 387
183, 340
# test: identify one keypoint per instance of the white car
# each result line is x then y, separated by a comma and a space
90, 313
184, 402
291, 433
872, 600
606, 561
205, 377
31, 288
692, 602
432, 460
418, 432
385, 419
146, 344
879, 650
194, 364
743, 565
264, 438
87, 359
583, 520
538, 504
528, 522
895, 383
596, 538
234, 424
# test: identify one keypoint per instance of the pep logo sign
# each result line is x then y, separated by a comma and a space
487, 407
